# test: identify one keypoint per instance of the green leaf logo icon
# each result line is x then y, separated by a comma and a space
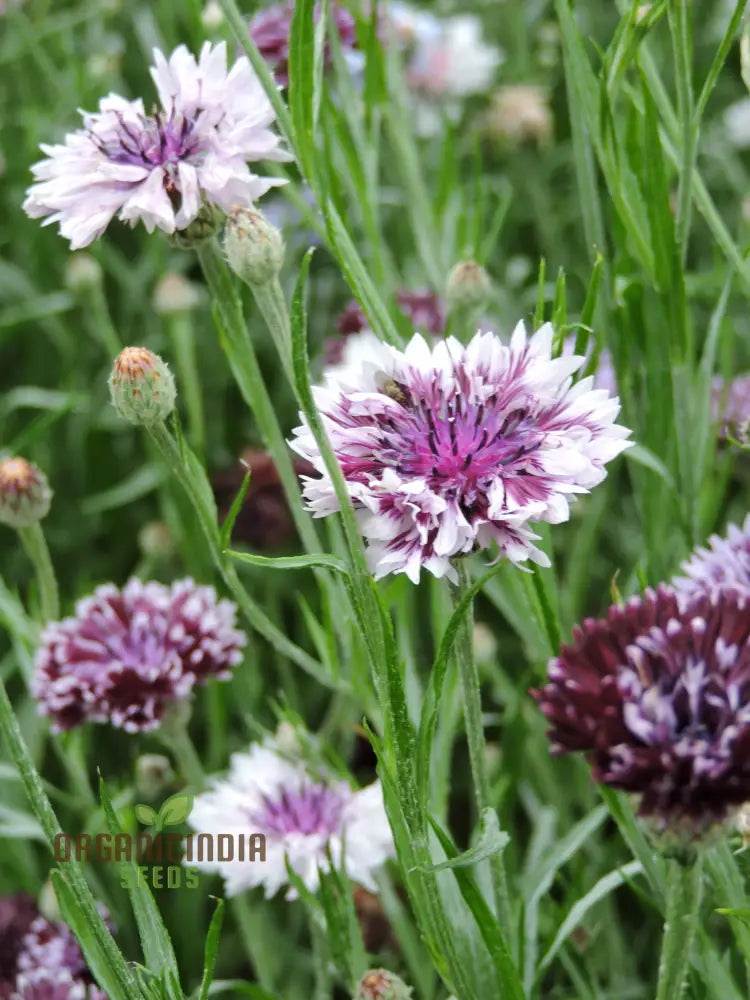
145, 814
175, 810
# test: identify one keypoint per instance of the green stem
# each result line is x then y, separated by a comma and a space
183, 344
258, 620
100, 320
680, 28
49, 823
177, 739
252, 925
680, 923
271, 302
472, 705
244, 363
34, 542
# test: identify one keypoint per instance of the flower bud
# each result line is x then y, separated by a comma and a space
153, 774
379, 984
519, 113
485, 644
25, 496
254, 248
155, 540
468, 286
142, 387
206, 224
175, 294
212, 16
82, 272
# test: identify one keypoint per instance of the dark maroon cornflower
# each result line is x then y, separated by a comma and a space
17, 913
730, 404
657, 695
264, 521
51, 964
422, 308
126, 655
270, 29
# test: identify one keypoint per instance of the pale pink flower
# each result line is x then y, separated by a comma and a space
161, 168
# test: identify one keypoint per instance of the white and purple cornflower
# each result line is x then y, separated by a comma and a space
128, 654
455, 447
302, 813
657, 695
161, 168
724, 562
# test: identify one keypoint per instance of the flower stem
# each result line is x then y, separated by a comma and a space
472, 705
252, 925
183, 343
175, 736
271, 302
244, 363
33, 540
197, 492
680, 923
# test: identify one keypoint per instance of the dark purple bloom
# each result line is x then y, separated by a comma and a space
53, 984
730, 404
126, 655
423, 308
17, 913
270, 29
657, 695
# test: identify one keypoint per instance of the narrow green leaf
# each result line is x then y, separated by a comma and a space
317, 559
508, 980
154, 936
492, 841
96, 958
301, 82
578, 911
211, 950
225, 535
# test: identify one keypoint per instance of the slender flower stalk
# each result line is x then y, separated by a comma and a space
35, 544
175, 299
241, 354
197, 491
477, 744
680, 925
25, 498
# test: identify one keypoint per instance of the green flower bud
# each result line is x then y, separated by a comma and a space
254, 248
379, 984
205, 225
25, 496
468, 286
82, 272
175, 294
153, 775
142, 387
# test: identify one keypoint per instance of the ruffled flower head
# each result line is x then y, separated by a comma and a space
161, 168
127, 655
657, 695
452, 448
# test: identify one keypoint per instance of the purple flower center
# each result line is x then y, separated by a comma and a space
311, 809
456, 444
162, 140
